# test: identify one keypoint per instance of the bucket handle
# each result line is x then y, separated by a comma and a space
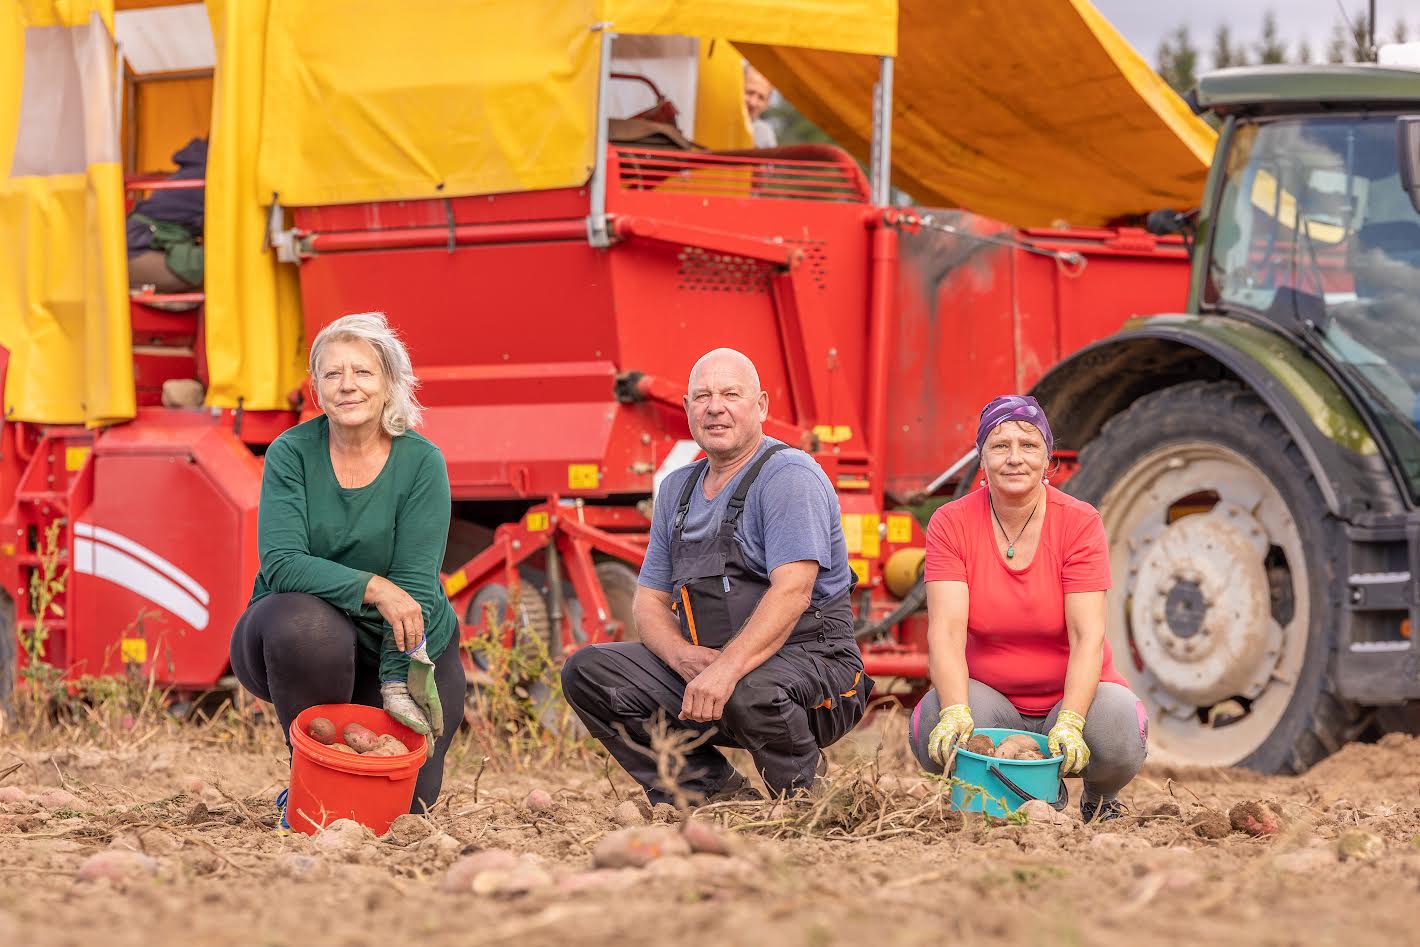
1062, 798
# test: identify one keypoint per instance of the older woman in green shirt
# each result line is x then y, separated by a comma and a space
348, 606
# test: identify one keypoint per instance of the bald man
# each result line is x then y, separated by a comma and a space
742, 608
757, 95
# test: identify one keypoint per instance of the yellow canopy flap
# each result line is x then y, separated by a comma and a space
63, 277
721, 122
846, 26
369, 100
253, 310
1032, 113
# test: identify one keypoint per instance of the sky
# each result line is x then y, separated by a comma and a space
1146, 22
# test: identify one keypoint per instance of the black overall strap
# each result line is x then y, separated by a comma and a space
737, 501
683, 505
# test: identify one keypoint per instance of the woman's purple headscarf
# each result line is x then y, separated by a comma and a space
1013, 408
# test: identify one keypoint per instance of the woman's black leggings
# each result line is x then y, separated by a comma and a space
297, 650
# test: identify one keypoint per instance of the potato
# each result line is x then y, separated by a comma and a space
387, 745
1255, 819
462, 873
636, 848
12, 794
322, 731
980, 743
703, 837
117, 865
342, 748
56, 799
360, 738
1016, 746
537, 800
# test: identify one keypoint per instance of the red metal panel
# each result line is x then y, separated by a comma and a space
979, 316
565, 204
166, 550
482, 305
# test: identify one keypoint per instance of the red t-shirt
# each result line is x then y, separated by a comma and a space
1015, 628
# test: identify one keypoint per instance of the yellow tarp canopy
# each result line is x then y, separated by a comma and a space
63, 272
253, 310
1029, 112
368, 100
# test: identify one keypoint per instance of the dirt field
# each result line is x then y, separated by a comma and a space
198, 801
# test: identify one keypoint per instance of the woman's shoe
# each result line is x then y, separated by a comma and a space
1101, 810
281, 822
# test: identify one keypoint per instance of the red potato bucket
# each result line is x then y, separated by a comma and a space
327, 785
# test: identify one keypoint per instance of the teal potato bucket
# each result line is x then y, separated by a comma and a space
991, 782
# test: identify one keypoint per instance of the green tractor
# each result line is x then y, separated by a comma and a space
1257, 459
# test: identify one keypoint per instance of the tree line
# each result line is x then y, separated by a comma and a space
1178, 60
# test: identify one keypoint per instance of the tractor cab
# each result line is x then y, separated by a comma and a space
1314, 230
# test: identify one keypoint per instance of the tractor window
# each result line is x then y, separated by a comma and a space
1314, 229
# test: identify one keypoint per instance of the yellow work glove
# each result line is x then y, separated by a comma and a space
1067, 738
954, 725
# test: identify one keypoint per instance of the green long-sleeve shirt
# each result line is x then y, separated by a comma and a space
318, 537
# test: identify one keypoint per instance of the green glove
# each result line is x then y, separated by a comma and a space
954, 725
1067, 738
414, 701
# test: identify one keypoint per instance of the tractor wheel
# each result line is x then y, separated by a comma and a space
528, 617
1224, 557
619, 584
9, 665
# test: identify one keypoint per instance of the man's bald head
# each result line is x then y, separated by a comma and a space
757, 92
722, 361
725, 406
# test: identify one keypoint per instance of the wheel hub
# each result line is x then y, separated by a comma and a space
1200, 610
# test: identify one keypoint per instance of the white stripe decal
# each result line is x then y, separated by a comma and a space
681, 454
118, 567
144, 554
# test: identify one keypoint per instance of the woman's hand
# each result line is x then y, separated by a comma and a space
1067, 739
398, 607
953, 727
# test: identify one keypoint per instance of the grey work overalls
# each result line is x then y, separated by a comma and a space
713, 590
805, 696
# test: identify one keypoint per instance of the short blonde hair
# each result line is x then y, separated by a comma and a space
402, 409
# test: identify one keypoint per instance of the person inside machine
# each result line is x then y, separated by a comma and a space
1016, 577
742, 608
164, 231
348, 606
758, 92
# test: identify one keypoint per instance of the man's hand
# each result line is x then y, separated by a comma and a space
688, 661
706, 694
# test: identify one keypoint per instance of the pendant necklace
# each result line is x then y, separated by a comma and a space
1011, 543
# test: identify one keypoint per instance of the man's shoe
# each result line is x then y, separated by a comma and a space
1101, 810
735, 789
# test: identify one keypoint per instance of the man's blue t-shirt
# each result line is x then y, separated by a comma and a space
790, 515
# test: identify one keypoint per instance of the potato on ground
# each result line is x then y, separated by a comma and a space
636, 848
1254, 819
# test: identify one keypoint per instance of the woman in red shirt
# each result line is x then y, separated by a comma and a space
1016, 579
